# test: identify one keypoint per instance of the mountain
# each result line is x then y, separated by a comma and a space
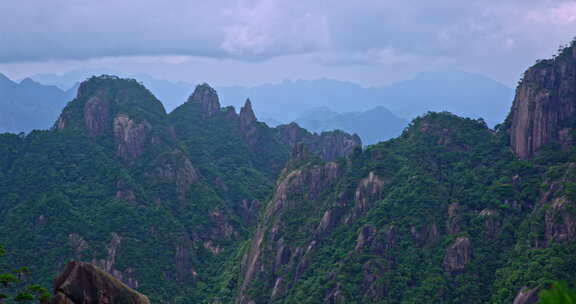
464, 94
143, 194
208, 205
373, 126
29, 105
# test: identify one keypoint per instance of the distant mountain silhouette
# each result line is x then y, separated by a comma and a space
29, 105
464, 94
372, 126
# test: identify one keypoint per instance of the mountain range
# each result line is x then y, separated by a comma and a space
29, 105
206, 204
358, 107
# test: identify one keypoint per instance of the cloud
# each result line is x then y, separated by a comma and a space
361, 32
273, 27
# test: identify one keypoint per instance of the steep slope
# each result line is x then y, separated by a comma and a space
400, 222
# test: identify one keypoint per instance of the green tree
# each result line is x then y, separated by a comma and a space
559, 293
27, 293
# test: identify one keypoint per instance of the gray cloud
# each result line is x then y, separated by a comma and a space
478, 35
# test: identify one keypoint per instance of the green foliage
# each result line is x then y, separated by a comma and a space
560, 292
183, 233
28, 293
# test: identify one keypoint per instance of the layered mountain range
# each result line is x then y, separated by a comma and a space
208, 205
29, 105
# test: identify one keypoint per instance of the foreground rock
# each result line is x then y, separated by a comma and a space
84, 283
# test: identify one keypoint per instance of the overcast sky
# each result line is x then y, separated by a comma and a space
256, 41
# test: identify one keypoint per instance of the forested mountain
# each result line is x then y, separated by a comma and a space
207, 205
29, 105
446, 213
160, 201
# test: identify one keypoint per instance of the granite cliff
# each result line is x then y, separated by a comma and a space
545, 104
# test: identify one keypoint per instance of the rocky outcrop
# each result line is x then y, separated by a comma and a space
527, 296
545, 100
208, 99
122, 109
128, 276
247, 116
365, 237
130, 136
175, 167
368, 191
328, 145
458, 255
84, 283
560, 221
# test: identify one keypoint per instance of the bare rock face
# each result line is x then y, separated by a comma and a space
130, 136
458, 255
527, 296
545, 99
369, 190
97, 116
560, 221
108, 263
208, 99
247, 116
84, 283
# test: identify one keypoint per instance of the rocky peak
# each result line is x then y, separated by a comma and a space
84, 283
119, 108
208, 99
458, 255
101, 99
545, 101
247, 115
